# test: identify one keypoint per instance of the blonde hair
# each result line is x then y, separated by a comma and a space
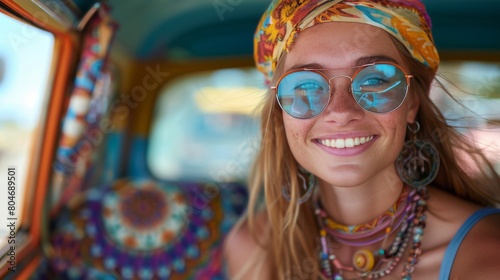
292, 242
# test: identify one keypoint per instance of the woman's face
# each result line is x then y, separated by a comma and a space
317, 143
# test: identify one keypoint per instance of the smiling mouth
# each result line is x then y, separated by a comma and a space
345, 143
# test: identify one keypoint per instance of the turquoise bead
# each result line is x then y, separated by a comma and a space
418, 230
417, 238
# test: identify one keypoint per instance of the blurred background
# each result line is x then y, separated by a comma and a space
116, 103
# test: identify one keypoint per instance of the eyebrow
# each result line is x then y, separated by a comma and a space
309, 65
373, 58
358, 62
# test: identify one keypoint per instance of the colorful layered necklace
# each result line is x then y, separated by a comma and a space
405, 216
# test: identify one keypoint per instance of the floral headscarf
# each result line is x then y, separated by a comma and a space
406, 20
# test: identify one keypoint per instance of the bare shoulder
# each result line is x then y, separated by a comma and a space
446, 214
246, 259
478, 257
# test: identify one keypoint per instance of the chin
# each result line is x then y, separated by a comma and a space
343, 183
344, 179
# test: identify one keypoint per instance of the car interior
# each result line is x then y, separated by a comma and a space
128, 129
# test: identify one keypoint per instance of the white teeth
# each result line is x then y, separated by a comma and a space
340, 143
349, 143
346, 143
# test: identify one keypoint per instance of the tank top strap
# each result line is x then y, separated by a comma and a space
451, 250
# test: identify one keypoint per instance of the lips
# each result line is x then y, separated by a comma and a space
342, 143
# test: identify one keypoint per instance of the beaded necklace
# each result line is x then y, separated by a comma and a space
407, 214
378, 229
381, 221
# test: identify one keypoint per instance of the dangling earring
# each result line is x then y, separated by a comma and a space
418, 163
308, 184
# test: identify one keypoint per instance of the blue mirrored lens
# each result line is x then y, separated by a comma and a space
380, 88
303, 94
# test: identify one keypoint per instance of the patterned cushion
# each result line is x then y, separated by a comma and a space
146, 230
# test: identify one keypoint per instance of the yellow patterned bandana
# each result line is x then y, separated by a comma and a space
406, 20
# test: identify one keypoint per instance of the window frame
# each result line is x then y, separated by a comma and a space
64, 60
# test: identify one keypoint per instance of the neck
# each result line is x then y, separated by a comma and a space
352, 205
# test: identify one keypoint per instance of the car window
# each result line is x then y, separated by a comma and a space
206, 126
25, 65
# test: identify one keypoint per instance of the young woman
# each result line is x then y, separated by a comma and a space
359, 174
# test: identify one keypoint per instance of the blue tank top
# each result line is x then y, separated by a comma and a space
451, 251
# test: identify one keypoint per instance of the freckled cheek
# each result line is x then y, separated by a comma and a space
298, 146
297, 131
400, 132
292, 137
295, 143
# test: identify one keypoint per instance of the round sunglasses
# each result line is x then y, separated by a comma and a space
377, 88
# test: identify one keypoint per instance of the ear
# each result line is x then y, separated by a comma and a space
413, 106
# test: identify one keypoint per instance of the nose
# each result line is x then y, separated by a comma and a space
342, 108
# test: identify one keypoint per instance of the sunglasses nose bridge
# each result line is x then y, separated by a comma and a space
339, 76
